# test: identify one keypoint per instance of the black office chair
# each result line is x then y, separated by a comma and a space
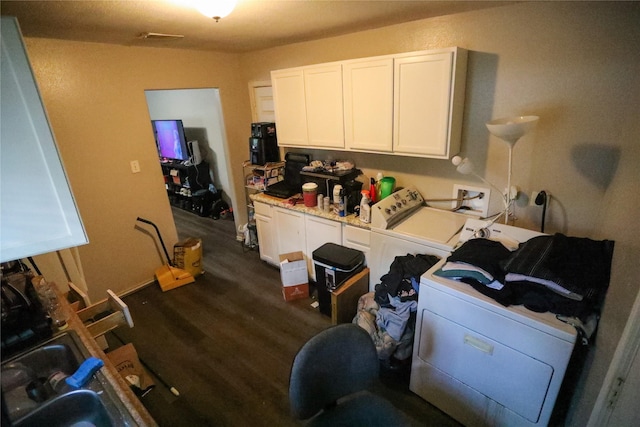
329, 380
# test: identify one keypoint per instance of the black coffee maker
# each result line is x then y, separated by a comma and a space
263, 145
353, 192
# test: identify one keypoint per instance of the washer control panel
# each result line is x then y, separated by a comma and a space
397, 206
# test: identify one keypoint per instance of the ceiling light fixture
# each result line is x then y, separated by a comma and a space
216, 9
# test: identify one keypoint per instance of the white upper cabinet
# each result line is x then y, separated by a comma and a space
37, 209
323, 91
308, 105
368, 104
425, 87
290, 107
408, 104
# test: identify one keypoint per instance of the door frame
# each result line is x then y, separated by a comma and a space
625, 355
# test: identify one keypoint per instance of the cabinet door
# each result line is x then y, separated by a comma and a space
318, 232
290, 233
357, 238
368, 104
265, 226
290, 107
422, 100
323, 91
38, 211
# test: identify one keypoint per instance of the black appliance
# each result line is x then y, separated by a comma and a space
327, 180
203, 201
334, 265
353, 191
292, 183
263, 150
263, 130
24, 320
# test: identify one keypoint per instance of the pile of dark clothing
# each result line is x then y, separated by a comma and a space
568, 276
403, 278
389, 313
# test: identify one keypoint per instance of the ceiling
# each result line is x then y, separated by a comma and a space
253, 24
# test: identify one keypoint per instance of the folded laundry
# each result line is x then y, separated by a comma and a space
515, 277
578, 267
462, 269
482, 253
568, 276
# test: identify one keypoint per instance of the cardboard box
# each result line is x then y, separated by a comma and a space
187, 255
291, 293
293, 269
294, 276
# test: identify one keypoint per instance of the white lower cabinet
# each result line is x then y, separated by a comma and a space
265, 226
282, 230
318, 232
357, 238
289, 230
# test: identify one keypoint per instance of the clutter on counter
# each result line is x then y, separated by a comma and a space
329, 166
297, 203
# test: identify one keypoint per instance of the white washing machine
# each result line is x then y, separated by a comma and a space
482, 363
401, 224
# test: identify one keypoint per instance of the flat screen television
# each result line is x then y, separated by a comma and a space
170, 139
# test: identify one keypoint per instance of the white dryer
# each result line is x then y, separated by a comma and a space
482, 363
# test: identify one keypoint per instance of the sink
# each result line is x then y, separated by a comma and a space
77, 408
29, 400
58, 354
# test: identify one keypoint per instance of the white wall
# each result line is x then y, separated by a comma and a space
201, 116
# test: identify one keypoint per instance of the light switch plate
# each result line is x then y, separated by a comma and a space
135, 166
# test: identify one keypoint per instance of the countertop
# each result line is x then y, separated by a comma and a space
290, 203
131, 402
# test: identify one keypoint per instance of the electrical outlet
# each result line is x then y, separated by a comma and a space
534, 197
474, 200
135, 166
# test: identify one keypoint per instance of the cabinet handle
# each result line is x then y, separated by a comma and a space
477, 343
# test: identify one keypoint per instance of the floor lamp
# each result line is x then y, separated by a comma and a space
510, 130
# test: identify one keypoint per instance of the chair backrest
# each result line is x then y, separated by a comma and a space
337, 362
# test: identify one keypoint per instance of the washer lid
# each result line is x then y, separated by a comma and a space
431, 224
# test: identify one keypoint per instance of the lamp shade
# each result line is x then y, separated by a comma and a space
511, 129
463, 166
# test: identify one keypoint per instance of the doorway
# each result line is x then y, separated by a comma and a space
201, 113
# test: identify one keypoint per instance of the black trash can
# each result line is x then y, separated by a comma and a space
334, 265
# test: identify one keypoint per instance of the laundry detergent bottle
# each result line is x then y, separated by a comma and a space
365, 209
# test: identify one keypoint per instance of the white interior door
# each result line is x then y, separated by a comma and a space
262, 104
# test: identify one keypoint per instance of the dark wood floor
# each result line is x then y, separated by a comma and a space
227, 341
